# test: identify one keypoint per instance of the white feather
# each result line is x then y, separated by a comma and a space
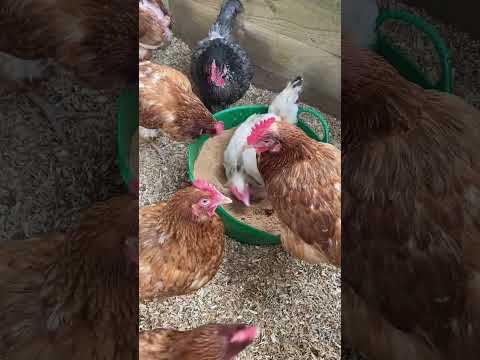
241, 164
285, 104
148, 133
233, 152
249, 164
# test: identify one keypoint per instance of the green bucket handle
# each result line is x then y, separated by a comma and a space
445, 82
321, 119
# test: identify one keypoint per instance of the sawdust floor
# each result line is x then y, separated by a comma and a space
53, 169
297, 305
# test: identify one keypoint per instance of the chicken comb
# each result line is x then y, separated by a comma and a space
245, 335
259, 130
205, 186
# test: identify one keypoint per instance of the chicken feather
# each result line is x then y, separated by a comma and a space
72, 295
303, 183
168, 103
411, 209
181, 247
208, 342
221, 68
96, 39
241, 169
154, 26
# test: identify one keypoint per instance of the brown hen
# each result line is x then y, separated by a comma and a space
97, 39
73, 295
302, 179
410, 284
167, 102
208, 342
181, 242
154, 27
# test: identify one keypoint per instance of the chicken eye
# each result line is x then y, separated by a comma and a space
205, 202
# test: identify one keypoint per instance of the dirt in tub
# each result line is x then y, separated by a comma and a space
133, 156
209, 166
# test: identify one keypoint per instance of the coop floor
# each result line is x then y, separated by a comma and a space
54, 168
296, 305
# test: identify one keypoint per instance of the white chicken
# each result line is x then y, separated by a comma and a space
241, 165
243, 178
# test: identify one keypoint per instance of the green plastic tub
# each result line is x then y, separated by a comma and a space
127, 115
396, 57
232, 117
127, 124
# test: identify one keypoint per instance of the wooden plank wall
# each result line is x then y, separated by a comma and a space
284, 38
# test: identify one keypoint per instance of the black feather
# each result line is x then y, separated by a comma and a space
227, 53
298, 81
225, 18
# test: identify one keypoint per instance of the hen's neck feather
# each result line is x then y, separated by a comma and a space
176, 218
295, 147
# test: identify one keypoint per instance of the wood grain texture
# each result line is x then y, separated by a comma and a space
284, 38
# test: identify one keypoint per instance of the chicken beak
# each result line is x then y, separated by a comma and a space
219, 128
246, 198
223, 200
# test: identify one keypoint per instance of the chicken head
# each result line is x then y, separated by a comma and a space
219, 342
206, 125
263, 137
240, 188
217, 74
208, 199
207, 342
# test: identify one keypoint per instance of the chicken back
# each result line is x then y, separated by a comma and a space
168, 103
97, 39
410, 287
73, 295
154, 27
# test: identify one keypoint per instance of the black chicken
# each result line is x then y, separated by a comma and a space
221, 69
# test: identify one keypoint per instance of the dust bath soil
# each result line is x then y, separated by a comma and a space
209, 166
